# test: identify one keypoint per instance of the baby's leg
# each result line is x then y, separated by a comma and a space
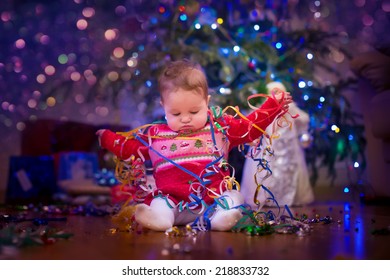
158, 216
225, 219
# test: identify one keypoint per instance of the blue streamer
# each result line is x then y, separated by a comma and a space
288, 211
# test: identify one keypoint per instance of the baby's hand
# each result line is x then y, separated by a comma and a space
99, 133
284, 98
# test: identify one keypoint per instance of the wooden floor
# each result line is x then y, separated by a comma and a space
356, 232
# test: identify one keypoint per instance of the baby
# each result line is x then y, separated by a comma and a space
189, 152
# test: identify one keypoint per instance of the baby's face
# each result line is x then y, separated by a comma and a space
185, 110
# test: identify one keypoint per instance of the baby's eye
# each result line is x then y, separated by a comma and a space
194, 113
176, 114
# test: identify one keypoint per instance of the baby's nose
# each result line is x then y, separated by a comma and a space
186, 119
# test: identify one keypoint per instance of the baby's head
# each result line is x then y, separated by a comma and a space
184, 95
185, 75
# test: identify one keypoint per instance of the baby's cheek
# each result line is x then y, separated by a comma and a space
172, 124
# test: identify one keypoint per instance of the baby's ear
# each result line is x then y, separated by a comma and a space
208, 99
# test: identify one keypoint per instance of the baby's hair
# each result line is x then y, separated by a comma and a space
183, 74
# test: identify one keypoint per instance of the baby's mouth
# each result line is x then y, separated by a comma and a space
186, 129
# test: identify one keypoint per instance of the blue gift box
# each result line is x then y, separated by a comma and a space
77, 165
31, 179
